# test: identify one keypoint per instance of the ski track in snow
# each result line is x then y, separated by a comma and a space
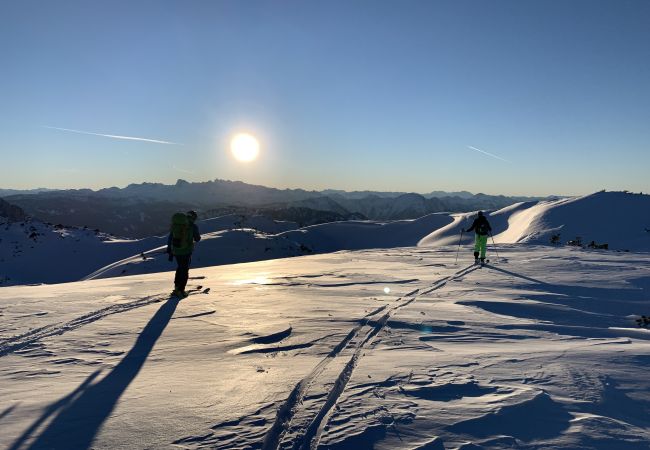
276, 437
20, 341
14, 343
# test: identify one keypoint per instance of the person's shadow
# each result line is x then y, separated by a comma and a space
80, 414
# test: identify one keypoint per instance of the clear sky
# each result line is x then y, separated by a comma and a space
381, 95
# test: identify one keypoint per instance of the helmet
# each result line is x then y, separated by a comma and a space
480, 213
192, 214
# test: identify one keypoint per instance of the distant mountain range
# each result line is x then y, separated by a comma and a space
141, 210
7, 192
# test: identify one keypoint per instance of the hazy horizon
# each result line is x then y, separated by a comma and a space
289, 188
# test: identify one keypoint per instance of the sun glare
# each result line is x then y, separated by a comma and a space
244, 147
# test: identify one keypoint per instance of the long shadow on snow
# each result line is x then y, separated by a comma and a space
580, 305
7, 411
365, 440
638, 292
559, 315
52, 409
80, 414
615, 403
538, 418
448, 392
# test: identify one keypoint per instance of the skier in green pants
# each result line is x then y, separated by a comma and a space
482, 229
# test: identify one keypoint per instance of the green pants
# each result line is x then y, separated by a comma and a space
480, 244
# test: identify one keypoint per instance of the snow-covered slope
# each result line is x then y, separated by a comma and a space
37, 252
216, 248
451, 233
373, 349
237, 221
352, 235
619, 219
235, 246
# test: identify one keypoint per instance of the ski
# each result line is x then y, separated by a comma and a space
189, 292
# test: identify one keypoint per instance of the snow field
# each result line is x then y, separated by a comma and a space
538, 350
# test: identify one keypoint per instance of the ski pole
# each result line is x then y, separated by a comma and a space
495, 246
459, 240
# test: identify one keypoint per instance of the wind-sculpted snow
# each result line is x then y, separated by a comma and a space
537, 350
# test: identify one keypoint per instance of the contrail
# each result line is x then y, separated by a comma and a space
114, 136
486, 153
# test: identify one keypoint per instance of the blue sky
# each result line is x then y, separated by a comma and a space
383, 95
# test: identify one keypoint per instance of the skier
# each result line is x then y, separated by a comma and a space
180, 244
481, 228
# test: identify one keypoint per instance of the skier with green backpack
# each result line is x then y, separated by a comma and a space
180, 245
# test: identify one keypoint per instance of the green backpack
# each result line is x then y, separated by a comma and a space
182, 236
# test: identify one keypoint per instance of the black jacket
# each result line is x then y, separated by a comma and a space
481, 226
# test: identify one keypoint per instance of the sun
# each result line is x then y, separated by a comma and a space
245, 147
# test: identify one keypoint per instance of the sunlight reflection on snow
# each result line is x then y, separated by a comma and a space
386, 290
257, 280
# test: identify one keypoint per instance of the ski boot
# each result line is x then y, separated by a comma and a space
179, 293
